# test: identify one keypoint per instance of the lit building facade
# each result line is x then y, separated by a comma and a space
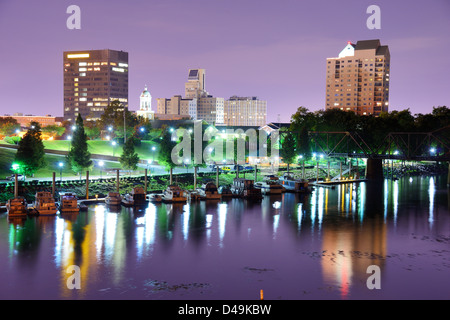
145, 105
92, 80
358, 79
245, 111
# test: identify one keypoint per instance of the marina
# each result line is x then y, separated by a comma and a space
131, 254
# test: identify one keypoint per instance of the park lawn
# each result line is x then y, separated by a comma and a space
52, 165
105, 148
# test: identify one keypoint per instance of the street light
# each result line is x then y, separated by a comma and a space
432, 150
153, 149
61, 165
101, 163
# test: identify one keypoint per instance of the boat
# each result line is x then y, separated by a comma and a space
113, 199
154, 198
45, 204
208, 191
269, 186
245, 188
17, 207
225, 192
174, 193
68, 202
292, 184
136, 197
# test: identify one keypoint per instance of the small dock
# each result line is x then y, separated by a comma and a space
332, 184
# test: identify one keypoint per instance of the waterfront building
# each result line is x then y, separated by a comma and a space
92, 80
358, 79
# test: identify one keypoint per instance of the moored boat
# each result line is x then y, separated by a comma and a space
44, 203
174, 193
269, 187
208, 191
136, 197
291, 184
245, 188
17, 207
154, 198
68, 202
113, 199
225, 192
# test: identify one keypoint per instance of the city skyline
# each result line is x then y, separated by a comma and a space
274, 50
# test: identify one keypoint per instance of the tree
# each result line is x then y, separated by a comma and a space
79, 157
30, 154
92, 130
8, 126
129, 158
288, 150
114, 115
54, 130
165, 152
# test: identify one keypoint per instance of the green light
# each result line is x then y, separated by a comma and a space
15, 166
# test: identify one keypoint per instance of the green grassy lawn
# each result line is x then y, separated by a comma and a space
52, 165
106, 148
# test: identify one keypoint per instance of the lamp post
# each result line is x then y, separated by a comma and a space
61, 165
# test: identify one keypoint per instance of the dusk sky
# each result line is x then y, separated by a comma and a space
275, 50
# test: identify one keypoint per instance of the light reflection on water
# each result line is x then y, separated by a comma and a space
296, 247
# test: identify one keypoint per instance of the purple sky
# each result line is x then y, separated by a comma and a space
275, 50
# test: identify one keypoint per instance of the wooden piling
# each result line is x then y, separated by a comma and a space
53, 184
217, 176
145, 182
16, 186
317, 175
195, 177
117, 181
87, 184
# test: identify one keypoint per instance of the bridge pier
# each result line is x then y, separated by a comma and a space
374, 169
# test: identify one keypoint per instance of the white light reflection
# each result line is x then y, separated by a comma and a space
386, 192
276, 221
209, 219
299, 215
395, 201
431, 192
362, 203
59, 233
313, 208
222, 220
99, 228
320, 207
186, 211
110, 234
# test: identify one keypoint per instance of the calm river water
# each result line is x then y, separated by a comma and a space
314, 247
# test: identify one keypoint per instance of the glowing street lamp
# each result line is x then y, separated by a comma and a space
432, 150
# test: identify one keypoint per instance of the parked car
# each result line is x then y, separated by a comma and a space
19, 177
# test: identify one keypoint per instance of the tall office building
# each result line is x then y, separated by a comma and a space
245, 111
196, 85
358, 79
93, 79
